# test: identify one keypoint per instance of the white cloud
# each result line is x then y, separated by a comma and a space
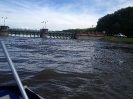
80, 15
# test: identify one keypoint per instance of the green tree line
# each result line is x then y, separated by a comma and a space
120, 21
93, 29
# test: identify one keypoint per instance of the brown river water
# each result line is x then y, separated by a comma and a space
69, 68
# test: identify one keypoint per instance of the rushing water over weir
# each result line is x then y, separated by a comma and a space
70, 69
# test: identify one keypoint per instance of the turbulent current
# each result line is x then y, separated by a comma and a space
69, 68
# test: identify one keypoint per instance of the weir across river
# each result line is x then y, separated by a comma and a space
5, 31
44, 33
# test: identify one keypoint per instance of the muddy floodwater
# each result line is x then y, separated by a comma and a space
69, 68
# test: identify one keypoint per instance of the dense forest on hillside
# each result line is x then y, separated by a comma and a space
120, 21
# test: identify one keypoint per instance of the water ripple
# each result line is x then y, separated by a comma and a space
69, 69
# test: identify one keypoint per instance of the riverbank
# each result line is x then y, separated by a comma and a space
117, 39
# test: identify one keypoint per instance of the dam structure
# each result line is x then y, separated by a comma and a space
43, 33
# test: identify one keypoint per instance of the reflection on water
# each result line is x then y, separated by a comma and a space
69, 69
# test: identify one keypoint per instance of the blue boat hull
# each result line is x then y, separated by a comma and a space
13, 92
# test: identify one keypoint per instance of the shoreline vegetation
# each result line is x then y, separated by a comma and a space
117, 39
121, 21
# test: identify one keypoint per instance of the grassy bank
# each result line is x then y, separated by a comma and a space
117, 39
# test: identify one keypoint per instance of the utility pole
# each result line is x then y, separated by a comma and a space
4, 19
45, 24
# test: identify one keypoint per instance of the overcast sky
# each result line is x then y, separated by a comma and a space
60, 14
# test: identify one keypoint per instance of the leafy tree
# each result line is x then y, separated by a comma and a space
120, 21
